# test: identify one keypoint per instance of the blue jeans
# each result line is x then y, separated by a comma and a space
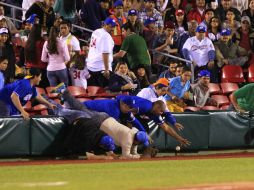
56, 77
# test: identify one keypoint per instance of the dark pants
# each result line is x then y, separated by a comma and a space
97, 79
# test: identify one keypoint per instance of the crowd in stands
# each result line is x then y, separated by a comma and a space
125, 53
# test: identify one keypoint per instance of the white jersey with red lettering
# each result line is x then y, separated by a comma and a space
198, 50
79, 77
101, 42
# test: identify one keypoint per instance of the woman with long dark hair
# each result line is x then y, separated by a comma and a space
214, 29
33, 50
66, 9
56, 53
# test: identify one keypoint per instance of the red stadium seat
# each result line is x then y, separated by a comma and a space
95, 90
251, 73
214, 88
211, 108
40, 107
101, 98
84, 99
40, 90
77, 91
28, 107
225, 107
228, 88
232, 73
44, 112
221, 100
191, 108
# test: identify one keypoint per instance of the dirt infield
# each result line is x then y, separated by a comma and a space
231, 186
23, 162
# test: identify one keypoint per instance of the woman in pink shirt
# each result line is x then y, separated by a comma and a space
56, 53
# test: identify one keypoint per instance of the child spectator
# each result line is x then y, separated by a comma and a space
3, 66
78, 71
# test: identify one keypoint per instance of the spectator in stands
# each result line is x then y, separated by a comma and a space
26, 4
178, 91
150, 11
136, 49
201, 51
229, 53
181, 22
6, 49
45, 12
192, 25
170, 72
70, 40
100, 55
230, 21
179, 69
3, 67
198, 13
166, 42
55, 53
78, 71
123, 80
150, 31
9, 23
201, 90
127, 6
243, 98
66, 9
156, 92
209, 13
58, 21
170, 11
250, 13
120, 19
245, 35
240, 5
92, 13
142, 76
33, 51
15, 95
214, 29
133, 19
222, 9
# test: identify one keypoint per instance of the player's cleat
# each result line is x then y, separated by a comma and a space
59, 88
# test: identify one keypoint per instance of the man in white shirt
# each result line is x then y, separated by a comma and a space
100, 56
71, 41
200, 50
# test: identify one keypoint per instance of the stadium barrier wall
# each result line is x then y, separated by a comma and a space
213, 130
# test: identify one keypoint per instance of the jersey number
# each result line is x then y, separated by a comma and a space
76, 74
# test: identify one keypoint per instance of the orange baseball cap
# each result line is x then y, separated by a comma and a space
162, 81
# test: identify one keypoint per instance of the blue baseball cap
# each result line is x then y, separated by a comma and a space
132, 12
128, 100
225, 32
31, 19
118, 3
142, 137
108, 143
110, 21
149, 20
200, 29
204, 73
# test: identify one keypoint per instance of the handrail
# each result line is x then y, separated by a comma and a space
13, 19
13, 6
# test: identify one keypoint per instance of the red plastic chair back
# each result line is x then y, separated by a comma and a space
214, 88
232, 73
251, 73
221, 100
